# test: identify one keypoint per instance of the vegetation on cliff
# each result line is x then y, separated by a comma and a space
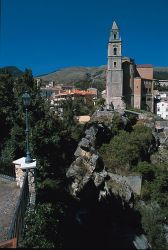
131, 152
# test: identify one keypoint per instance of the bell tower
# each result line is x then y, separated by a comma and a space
114, 80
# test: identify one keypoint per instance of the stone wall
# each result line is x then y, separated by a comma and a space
133, 181
137, 93
20, 169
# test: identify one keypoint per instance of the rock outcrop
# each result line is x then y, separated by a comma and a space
112, 194
89, 167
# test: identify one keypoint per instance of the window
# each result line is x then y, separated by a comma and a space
158, 109
115, 51
115, 36
115, 64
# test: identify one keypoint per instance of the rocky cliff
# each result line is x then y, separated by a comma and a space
105, 195
89, 167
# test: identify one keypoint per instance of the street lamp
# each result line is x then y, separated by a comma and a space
26, 101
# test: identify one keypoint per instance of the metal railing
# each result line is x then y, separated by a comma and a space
8, 172
17, 225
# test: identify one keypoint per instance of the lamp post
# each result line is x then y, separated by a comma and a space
26, 101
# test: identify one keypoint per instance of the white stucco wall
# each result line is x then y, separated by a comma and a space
162, 109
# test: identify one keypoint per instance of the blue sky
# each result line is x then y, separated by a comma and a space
48, 34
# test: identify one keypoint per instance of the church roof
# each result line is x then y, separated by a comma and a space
114, 26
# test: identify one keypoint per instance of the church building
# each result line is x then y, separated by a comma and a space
127, 84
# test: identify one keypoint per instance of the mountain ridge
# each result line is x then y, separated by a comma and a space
73, 74
13, 70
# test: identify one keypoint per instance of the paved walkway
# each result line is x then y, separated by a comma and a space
9, 194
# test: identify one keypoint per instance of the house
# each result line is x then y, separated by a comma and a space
87, 95
162, 109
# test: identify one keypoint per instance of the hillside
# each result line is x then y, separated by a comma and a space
14, 71
72, 75
161, 73
76, 74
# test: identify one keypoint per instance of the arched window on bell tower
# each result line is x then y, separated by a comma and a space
115, 51
115, 35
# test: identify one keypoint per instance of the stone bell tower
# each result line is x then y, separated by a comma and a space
114, 80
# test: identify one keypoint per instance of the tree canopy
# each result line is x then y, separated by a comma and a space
126, 149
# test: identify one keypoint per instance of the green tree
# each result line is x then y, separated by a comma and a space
145, 140
152, 221
146, 169
53, 147
42, 226
120, 153
14, 119
126, 149
117, 124
7, 104
71, 109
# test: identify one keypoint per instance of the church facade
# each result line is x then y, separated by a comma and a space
127, 84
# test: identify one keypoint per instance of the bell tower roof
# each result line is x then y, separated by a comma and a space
115, 33
114, 26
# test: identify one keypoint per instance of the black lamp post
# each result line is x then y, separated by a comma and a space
26, 101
